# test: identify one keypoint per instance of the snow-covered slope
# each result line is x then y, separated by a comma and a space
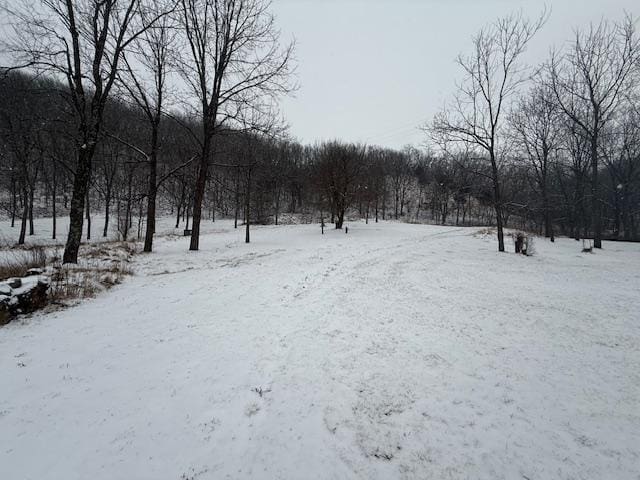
396, 351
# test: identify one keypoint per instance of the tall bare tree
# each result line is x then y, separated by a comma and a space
81, 42
493, 73
235, 68
145, 75
590, 81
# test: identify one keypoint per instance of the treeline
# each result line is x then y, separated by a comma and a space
571, 123
256, 179
221, 61
251, 177
169, 108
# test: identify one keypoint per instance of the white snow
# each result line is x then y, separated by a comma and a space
396, 351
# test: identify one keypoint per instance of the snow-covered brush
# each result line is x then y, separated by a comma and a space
16, 263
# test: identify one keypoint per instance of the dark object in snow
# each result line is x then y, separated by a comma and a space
346, 229
519, 241
29, 295
523, 243
260, 391
187, 232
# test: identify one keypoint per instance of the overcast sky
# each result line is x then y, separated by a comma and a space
372, 71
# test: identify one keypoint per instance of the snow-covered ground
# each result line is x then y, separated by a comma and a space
396, 351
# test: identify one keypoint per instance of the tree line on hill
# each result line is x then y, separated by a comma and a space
134, 108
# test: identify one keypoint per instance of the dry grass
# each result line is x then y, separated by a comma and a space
100, 267
16, 263
88, 278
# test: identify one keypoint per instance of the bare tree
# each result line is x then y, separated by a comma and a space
81, 42
21, 124
399, 171
145, 80
235, 68
572, 175
536, 124
621, 155
493, 75
590, 81
338, 171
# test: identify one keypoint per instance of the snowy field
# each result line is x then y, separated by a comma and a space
396, 351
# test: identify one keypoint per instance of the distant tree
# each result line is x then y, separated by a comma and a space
572, 173
621, 156
537, 126
339, 168
21, 129
399, 171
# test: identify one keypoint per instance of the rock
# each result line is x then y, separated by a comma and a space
26, 297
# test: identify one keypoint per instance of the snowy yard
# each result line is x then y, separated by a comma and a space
396, 351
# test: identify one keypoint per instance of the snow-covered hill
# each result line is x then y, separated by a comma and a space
396, 351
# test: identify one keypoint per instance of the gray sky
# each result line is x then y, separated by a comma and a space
371, 71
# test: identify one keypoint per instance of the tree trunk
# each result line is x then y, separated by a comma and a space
152, 191
596, 207
88, 217
107, 208
548, 227
76, 213
127, 212
340, 217
140, 210
625, 214
376, 209
497, 201
14, 202
53, 206
248, 206
395, 204
277, 205
198, 196
235, 218
25, 216
31, 194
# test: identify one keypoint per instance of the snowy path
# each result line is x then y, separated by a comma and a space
396, 351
